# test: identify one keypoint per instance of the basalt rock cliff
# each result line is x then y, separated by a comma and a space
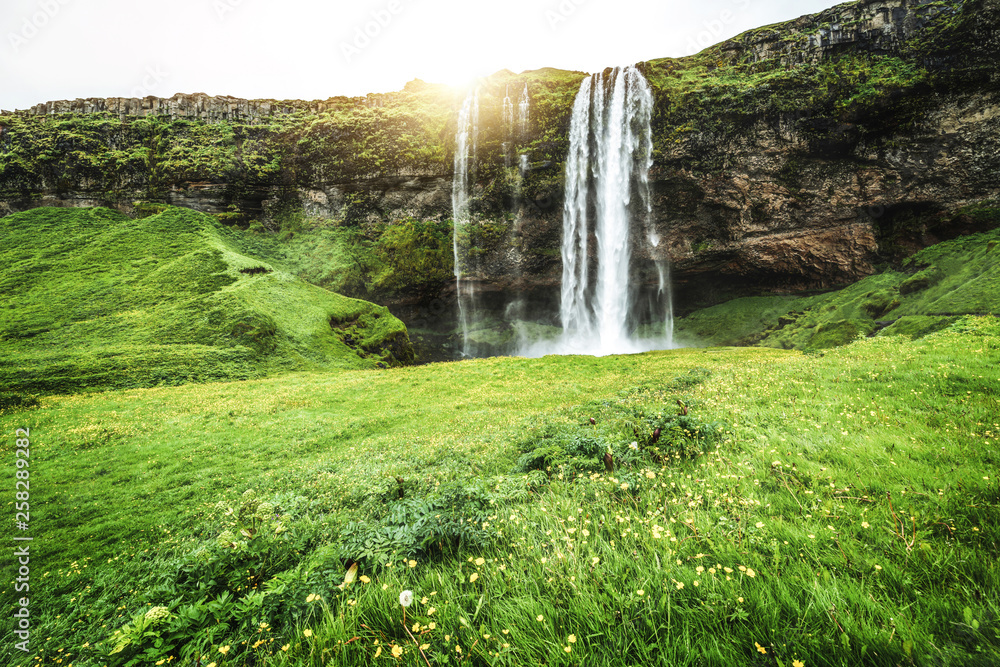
793, 157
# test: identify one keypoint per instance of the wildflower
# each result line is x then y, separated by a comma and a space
378, 651
472, 579
397, 651
458, 649
759, 524
751, 573
364, 579
413, 563
288, 646
540, 618
641, 592
406, 598
760, 649
224, 649
865, 524
432, 626
740, 600
424, 600
480, 562
572, 639
680, 586
156, 614
568, 649
431, 611
634, 445
424, 647
312, 597
595, 560
307, 632
798, 663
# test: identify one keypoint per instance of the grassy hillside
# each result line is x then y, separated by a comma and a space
931, 290
92, 299
818, 510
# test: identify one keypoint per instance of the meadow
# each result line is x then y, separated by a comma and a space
724, 506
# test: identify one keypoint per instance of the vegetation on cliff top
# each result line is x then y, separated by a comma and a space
90, 299
830, 510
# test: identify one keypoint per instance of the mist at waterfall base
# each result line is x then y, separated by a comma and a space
604, 308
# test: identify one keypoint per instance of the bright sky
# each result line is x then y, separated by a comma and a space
310, 49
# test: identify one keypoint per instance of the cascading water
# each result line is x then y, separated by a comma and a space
523, 110
607, 186
466, 145
508, 127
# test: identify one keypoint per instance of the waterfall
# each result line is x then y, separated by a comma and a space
664, 295
466, 145
508, 112
575, 309
508, 127
607, 187
523, 109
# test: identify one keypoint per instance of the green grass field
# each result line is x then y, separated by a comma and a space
834, 508
91, 299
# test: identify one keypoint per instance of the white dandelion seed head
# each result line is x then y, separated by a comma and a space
406, 598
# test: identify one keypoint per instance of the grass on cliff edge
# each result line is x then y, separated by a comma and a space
829, 509
92, 299
931, 290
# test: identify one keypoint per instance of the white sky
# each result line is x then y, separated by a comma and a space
295, 49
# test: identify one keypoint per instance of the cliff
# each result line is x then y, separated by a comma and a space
796, 156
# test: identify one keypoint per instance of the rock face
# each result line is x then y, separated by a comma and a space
197, 106
797, 156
